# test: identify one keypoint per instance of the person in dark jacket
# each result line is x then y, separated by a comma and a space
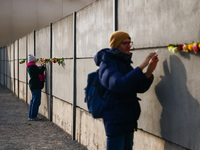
122, 109
36, 83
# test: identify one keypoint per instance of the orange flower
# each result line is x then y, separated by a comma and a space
190, 46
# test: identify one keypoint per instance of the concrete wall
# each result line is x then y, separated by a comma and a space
2, 65
170, 108
16, 79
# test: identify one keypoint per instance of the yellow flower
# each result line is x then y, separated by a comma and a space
190, 46
170, 48
199, 45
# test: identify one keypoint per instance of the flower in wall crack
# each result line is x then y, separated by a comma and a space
190, 46
23, 61
46, 60
195, 47
54, 60
173, 48
41, 59
180, 47
58, 60
185, 48
170, 48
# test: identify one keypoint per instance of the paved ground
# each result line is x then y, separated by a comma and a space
17, 133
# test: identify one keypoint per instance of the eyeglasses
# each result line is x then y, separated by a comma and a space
127, 43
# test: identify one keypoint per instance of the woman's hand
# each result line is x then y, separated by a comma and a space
43, 64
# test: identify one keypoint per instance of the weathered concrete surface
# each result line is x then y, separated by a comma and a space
62, 114
155, 23
63, 80
94, 26
90, 131
22, 90
30, 43
16, 132
170, 108
144, 141
63, 38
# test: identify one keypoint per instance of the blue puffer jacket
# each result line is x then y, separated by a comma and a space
122, 108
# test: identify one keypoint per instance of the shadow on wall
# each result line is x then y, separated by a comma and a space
180, 121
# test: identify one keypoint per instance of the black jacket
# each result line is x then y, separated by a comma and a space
36, 76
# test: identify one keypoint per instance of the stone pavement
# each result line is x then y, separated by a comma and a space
17, 133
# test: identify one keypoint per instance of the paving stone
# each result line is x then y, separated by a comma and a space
17, 133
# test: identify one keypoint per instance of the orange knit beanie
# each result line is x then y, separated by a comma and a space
117, 37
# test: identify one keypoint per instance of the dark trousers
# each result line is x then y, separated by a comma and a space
35, 103
123, 142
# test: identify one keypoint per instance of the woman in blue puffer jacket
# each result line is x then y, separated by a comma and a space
122, 108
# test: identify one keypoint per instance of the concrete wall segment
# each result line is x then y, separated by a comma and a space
16, 49
8, 82
22, 48
12, 69
62, 80
22, 70
8, 53
172, 102
22, 55
94, 29
90, 132
22, 91
12, 52
8, 64
160, 23
16, 43
63, 38
12, 85
43, 42
16, 87
44, 107
16, 69
12, 60
1, 65
62, 114
31, 43
144, 140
